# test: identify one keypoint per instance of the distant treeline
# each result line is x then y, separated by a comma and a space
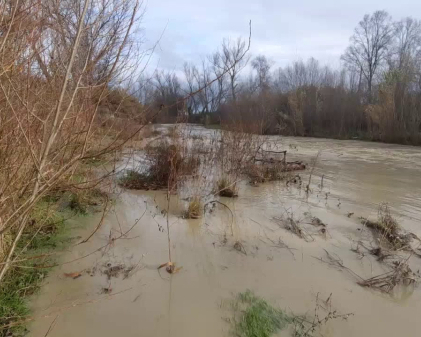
375, 95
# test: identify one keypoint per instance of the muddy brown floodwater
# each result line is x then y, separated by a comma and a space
121, 293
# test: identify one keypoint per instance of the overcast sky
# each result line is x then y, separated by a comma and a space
282, 30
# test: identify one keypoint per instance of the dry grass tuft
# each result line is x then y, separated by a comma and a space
194, 210
227, 188
400, 275
387, 229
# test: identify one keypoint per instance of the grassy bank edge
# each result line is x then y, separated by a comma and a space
51, 231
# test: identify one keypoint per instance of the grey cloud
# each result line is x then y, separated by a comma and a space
282, 30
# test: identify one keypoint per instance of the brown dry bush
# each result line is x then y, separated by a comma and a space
387, 229
260, 173
194, 209
227, 187
401, 274
165, 163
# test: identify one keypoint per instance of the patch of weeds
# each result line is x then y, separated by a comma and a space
401, 274
79, 201
135, 180
194, 210
227, 188
260, 173
76, 204
45, 232
166, 163
387, 229
18, 284
256, 318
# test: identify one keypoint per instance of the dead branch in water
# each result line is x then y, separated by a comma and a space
388, 230
280, 244
400, 275
51, 327
290, 224
336, 261
306, 327
100, 221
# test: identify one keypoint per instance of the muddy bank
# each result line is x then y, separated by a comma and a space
120, 291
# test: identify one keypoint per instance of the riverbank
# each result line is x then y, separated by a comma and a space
53, 220
361, 136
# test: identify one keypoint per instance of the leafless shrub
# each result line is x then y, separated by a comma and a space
324, 312
48, 124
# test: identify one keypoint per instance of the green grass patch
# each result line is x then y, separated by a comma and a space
256, 318
46, 231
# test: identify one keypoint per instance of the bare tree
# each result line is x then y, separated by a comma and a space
369, 46
406, 51
232, 59
262, 66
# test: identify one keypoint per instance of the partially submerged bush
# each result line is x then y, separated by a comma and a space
194, 210
387, 228
260, 173
255, 317
227, 188
166, 163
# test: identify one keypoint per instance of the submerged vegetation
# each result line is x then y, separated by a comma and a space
164, 163
255, 317
387, 230
226, 187
194, 209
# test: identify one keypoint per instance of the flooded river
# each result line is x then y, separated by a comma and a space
137, 300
